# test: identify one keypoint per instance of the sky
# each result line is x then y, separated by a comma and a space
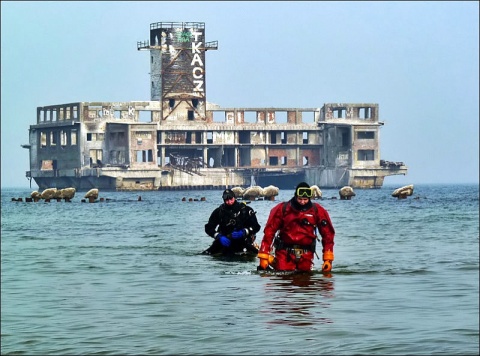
419, 61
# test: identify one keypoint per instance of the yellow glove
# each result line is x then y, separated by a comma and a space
265, 260
327, 261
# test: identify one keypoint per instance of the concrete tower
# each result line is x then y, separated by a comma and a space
177, 69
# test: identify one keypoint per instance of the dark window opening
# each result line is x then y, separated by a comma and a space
339, 113
244, 137
273, 161
195, 103
273, 137
190, 115
198, 137
365, 135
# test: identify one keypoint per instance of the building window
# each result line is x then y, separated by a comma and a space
365, 155
46, 165
198, 137
63, 138
273, 161
117, 157
144, 156
305, 137
339, 113
365, 135
96, 157
73, 137
364, 113
53, 138
43, 139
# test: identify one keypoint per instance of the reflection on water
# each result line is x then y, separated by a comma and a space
298, 299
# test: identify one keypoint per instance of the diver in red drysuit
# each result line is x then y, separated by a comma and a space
296, 222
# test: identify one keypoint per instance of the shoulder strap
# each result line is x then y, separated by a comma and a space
285, 203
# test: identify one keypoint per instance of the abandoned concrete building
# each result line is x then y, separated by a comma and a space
178, 140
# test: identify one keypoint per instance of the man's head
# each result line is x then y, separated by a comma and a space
303, 193
228, 197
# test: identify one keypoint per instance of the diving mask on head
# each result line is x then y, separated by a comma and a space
304, 192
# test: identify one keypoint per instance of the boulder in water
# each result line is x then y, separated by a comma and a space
48, 193
270, 191
346, 193
403, 192
238, 191
92, 193
251, 193
68, 193
316, 192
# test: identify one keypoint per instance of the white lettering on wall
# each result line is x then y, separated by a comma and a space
196, 35
197, 63
196, 60
198, 85
198, 69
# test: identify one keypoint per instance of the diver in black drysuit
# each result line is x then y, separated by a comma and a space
233, 226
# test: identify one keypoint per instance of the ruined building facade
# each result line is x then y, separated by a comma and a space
178, 140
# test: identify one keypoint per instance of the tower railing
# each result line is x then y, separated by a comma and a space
156, 25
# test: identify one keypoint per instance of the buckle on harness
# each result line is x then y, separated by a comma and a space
296, 250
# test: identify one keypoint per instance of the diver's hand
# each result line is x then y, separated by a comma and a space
225, 241
238, 234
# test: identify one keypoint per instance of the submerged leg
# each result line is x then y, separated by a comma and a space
215, 247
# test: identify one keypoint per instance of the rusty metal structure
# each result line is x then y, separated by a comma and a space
178, 140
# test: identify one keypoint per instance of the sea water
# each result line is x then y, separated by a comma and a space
125, 276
